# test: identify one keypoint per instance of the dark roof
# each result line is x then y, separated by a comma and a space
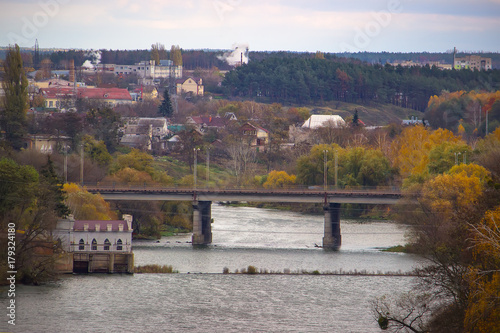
210, 121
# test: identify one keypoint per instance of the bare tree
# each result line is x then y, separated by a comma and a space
408, 313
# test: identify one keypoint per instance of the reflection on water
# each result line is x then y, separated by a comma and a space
207, 302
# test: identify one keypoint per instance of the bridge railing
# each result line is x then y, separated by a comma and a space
95, 186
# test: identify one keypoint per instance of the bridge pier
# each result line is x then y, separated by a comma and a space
202, 222
332, 238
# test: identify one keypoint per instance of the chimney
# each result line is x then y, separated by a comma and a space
72, 70
128, 218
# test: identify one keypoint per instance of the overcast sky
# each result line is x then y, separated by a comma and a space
294, 25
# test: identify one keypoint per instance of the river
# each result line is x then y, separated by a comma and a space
201, 299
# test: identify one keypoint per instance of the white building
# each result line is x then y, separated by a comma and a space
145, 133
316, 121
148, 69
95, 235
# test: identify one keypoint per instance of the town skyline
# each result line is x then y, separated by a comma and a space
297, 26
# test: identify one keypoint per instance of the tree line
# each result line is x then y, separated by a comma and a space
311, 80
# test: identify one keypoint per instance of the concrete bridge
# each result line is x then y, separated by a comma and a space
202, 201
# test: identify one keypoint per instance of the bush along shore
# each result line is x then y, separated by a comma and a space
154, 269
254, 270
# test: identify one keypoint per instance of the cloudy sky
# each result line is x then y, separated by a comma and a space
295, 25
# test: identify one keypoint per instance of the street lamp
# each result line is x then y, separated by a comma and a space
456, 158
325, 180
195, 150
336, 169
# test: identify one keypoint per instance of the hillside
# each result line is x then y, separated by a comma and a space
372, 114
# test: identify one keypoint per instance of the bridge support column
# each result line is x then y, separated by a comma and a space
332, 238
202, 219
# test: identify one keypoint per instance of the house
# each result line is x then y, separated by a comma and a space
190, 85
316, 121
204, 123
414, 121
145, 133
57, 82
64, 97
257, 136
97, 245
46, 143
146, 92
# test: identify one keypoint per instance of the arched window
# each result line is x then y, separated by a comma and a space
94, 245
81, 245
119, 246
107, 243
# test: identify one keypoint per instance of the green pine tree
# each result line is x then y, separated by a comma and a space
166, 108
355, 119
15, 103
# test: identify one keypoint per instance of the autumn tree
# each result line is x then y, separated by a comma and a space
85, 205
104, 122
15, 102
96, 151
483, 308
176, 55
410, 150
137, 167
30, 203
279, 179
155, 54
444, 224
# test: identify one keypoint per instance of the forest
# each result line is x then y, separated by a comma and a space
315, 80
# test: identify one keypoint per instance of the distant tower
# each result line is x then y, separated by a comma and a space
454, 54
36, 58
72, 70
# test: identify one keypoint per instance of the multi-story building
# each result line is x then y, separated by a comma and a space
472, 62
148, 69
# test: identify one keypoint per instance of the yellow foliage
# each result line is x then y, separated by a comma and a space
449, 193
131, 176
483, 310
471, 170
410, 150
496, 133
85, 205
279, 179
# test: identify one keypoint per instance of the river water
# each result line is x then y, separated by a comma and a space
201, 299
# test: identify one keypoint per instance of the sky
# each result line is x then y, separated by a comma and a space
272, 25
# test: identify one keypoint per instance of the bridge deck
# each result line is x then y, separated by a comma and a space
254, 195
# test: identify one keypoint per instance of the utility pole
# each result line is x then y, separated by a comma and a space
81, 165
336, 169
325, 180
195, 164
486, 122
65, 163
208, 166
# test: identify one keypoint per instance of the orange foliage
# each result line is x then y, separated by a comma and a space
410, 150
